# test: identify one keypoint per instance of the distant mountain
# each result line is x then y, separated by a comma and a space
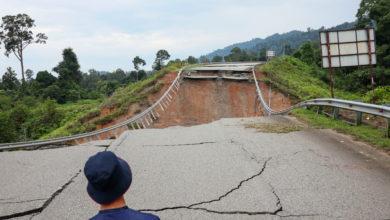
277, 41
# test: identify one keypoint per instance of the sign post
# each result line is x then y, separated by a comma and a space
344, 48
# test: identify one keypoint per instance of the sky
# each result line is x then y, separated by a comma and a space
107, 35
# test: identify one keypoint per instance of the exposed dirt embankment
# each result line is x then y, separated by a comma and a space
204, 101
137, 108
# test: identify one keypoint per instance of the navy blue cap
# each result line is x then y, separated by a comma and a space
109, 177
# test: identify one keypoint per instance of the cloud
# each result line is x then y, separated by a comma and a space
107, 34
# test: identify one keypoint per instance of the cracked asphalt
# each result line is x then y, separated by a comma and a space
219, 170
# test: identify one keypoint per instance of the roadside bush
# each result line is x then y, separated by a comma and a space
382, 95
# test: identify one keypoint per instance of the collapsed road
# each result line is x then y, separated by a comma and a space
225, 171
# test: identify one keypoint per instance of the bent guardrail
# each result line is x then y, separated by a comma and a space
378, 110
146, 118
140, 121
359, 107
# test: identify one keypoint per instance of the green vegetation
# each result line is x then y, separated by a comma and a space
382, 95
365, 133
85, 118
50, 106
275, 127
300, 80
282, 44
161, 56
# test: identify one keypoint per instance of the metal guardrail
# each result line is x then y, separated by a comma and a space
139, 121
361, 107
147, 117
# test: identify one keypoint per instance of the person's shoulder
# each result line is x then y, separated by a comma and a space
137, 215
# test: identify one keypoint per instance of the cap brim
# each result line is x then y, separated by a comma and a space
123, 182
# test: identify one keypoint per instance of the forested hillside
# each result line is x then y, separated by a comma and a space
277, 42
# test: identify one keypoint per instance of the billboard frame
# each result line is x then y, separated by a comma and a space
370, 42
329, 56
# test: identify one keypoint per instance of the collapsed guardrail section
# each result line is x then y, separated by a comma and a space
147, 117
358, 107
140, 121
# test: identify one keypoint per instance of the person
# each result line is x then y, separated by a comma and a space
109, 177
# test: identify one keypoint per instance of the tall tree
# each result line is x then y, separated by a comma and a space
137, 61
161, 56
16, 35
69, 68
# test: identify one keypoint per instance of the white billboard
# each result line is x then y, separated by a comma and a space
270, 53
355, 47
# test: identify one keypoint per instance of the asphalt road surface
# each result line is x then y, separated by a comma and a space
220, 170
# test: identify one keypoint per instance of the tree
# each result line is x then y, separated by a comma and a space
16, 35
307, 53
137, 61
161, 56
217, 59
192, 60
69, 77
69, 68
377, 12
45, 79
10, 82
29, 75
363, 13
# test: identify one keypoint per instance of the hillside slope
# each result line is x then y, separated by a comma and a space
277, 41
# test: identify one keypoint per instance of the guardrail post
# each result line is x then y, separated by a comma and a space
336, 113
359, 117
388, 128
319, 109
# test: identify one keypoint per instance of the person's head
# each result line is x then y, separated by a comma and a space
109, 177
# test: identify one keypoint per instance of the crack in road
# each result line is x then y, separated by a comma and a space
45, 204
278, 202
25, 201
176, 145
301, 215
252, 156
193, 206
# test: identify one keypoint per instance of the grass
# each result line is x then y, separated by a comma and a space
296, 78
373, 136
75, 112
275, 127
84, 116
